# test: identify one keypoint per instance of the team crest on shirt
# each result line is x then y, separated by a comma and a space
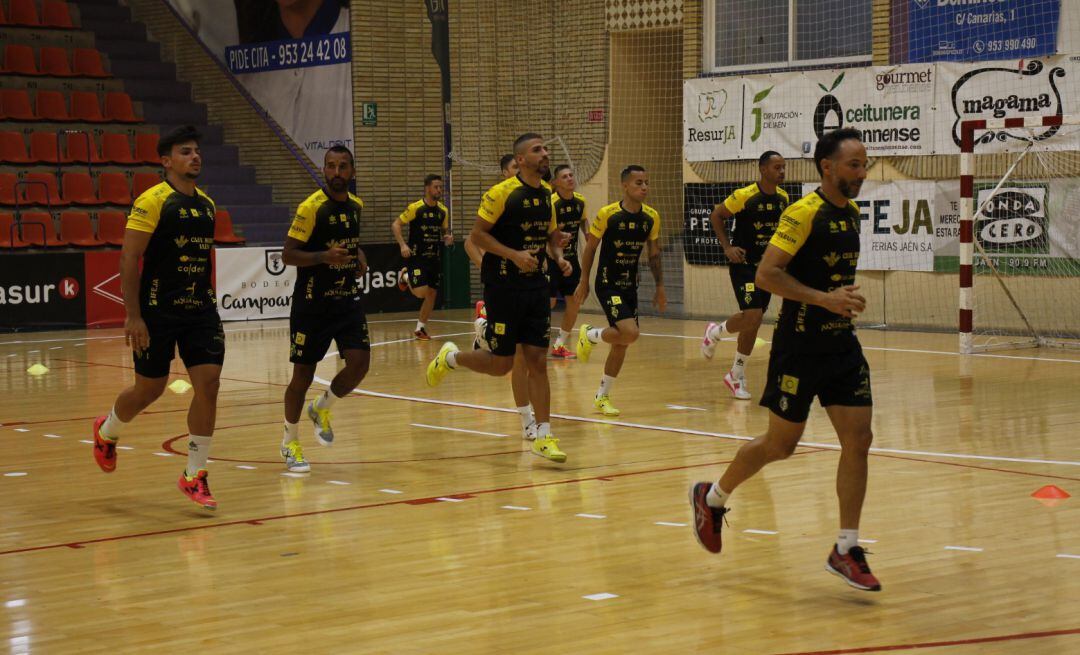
181, 241
183, 213
831, 259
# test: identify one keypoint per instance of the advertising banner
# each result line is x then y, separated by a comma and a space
42, 290
1040, 87
380, 283
294, 59
104, 299
975, 30
701, 246
896, 225
253, 283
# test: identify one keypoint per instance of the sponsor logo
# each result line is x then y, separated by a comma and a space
1013, 220
229, 301
1031, 90
275, 264
711, 104
789, 384
68, 288
878, 123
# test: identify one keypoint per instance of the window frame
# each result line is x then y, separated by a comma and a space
708, 48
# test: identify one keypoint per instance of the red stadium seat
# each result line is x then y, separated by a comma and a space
44, 148
52, 106
87, 63
24, 12
118, 108
32, 233
19, 59
79, 189
115, 148
85, 107
146, 148
80, 147
75, 228
55, 13
223, 228
143, 181
111, 226
3, 17
54, 61
13, 148
9, 238
16, 105
40, 189
114, 189
7, 188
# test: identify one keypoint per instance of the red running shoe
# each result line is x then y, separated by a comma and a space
422, 335
197, 489
481, 310
104, 450
403, 279
562, 352
852, 568
707, 520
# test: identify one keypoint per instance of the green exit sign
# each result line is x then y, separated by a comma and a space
370, 116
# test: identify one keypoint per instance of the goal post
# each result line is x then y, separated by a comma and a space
1019, 227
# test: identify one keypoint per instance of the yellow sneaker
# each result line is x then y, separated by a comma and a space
320, 418
584, 346
293, 455
548, 447
438, 368
603, 403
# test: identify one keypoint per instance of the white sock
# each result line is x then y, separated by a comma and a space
420, 325
715, 331
451, 359
561, 339
292, 433
526, 413
198, 451
716, 498
326, 401
846, 541
606, 383
543, 430
112, 427
737, 368
593, 335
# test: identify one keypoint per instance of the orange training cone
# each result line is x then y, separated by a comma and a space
1050, 495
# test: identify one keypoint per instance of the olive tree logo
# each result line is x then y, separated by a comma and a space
758, 97
826, 107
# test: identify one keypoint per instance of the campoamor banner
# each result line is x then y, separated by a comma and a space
901, 110
295, 59
253, 283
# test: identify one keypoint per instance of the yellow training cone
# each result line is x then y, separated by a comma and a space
37, 369
180, 386
759, 342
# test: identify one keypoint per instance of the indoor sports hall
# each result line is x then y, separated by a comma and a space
430, 524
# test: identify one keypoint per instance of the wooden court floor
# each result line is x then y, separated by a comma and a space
429, 528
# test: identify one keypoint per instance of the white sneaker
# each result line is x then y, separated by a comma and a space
737, 386
529, 433
708, 346
479, 339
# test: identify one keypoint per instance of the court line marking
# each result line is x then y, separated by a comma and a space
602, 596
768, 532
941, 644
443, 427
338, 482
967, 549
670, 524
517, 508
704, 433
390, 491
1068, 556
591, 516
447, 499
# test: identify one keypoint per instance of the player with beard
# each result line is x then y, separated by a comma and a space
324, 244
170, 305
756, 209
811, 262
514, 226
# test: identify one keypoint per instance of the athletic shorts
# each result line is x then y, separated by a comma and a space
746, 292
310, 334
516, 316
835, 378
565, 285
199, 338
618, 304
424, 272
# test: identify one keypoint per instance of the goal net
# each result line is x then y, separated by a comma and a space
1020, 234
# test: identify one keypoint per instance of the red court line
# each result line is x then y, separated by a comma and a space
942, 644
973, 466
412, 501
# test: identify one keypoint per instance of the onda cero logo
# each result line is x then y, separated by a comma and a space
1013, 220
